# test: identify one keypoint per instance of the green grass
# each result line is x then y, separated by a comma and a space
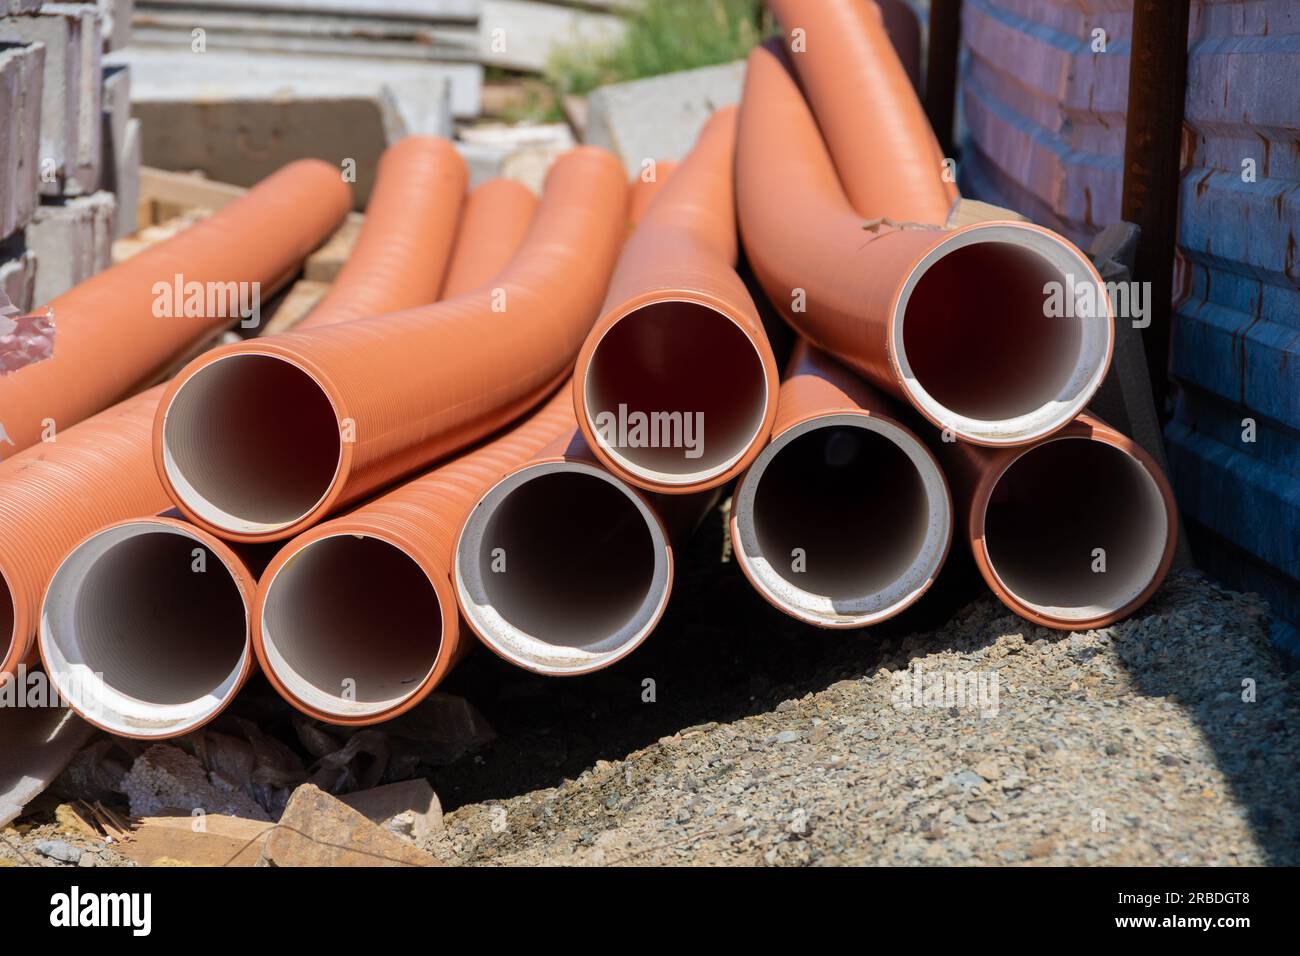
663, 36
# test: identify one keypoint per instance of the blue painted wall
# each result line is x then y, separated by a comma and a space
1044, 115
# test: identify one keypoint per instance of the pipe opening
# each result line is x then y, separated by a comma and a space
145, 631
1050, 512
692, 376
562, 569
351, 626
251, 443
8, 619
983, 348
843, 520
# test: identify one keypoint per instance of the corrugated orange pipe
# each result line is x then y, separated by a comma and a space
145, 628
53, 495
101, 471
845, 519
675, 387
402, 253
563, 568
959, 323
641, 191
1074, 532
355, 620
497, 217
116, 330
384, 568
365, 403
875, 128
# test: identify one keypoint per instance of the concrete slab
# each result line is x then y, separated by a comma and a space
22, 69
523, 34
72, 239
660, 117
415, 87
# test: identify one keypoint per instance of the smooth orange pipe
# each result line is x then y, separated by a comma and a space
145, 628
365, 403
401, 256
496, 219
641, 191
563, 568
115, 331
52, 495
956, 322
680, 347
355, 620
1074, 532
875, 128
845, 519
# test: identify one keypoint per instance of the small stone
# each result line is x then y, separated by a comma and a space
978, 813
1040, 849
59, 850
787, 737
988, 769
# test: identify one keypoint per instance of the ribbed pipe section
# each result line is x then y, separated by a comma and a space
355, 620
680, 352
888, 160
496, 220
53, 495
135, 313
959, 323
642, 191
365, 403
401, 255
845, 519
1073, 532
145, 628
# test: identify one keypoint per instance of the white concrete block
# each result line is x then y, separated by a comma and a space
18, 277
84, 177
125, 183
69, 127
115, 22
660, 117
72, 239
21, 73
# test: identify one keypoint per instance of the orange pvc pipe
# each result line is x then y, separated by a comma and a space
145, 628
1074, 532
845, 519
109, 337
401, 255
958, 323
492, 229
641, 192
410, 528
875, 128
563, 568
101, 471
367, 597
365, 403
680, 341
53, 495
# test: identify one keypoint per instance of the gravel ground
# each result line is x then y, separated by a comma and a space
738, 736
1171, 738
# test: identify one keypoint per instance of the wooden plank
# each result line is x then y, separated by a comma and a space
324, 264
212, 840
295, 306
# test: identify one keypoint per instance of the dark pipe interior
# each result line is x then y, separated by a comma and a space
579, 559
852, 500
977, 335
